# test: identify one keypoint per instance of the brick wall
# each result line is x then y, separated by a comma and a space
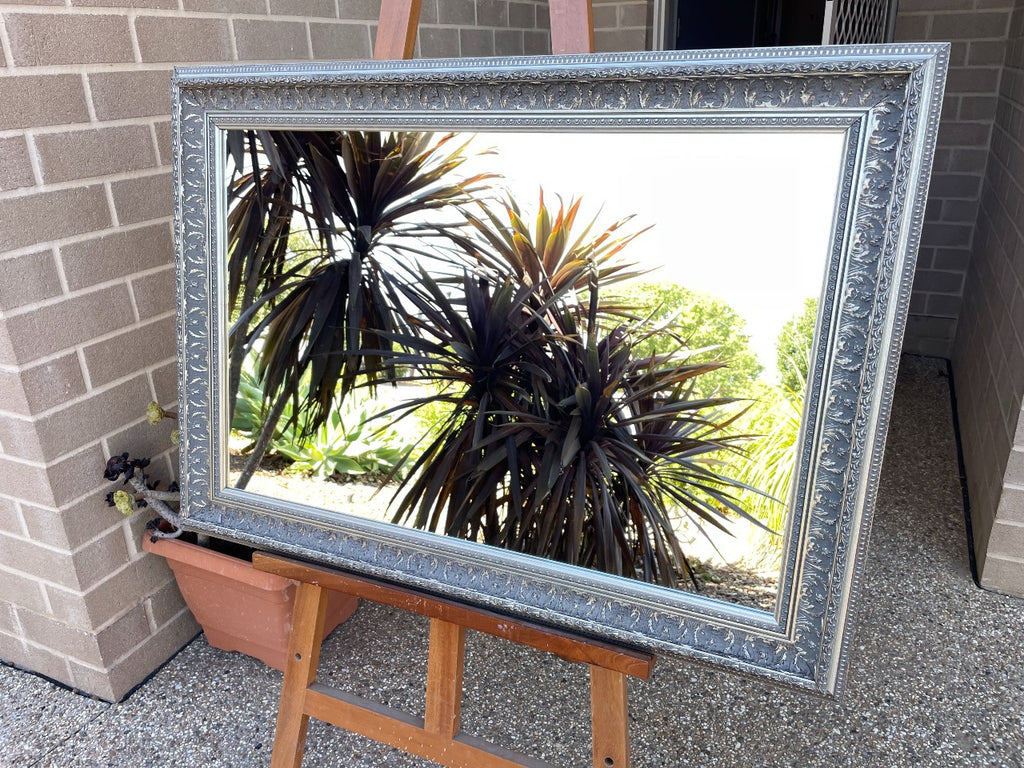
86, 290
977, 29
621, 25
988, 355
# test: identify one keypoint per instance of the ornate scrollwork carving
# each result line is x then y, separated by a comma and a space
886, 99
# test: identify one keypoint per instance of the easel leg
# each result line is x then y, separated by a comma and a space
609, 714
299, 674
444, 678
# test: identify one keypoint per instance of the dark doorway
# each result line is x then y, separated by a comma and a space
748, 23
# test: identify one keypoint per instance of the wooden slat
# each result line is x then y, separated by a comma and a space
445, 664
609, 717
629, 661
396, 29
572, 26
406, 732
299, 672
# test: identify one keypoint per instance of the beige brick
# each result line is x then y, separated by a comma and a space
257, 40
10, 519
1011, 505
36, 100
1006, 539
62, 638
173, 39
619, 40
633, 15
96, 561
163, 141
7, 356
981, 52
37, 561
62, 431
439, 42
476, 42
120, 95
12, 648
428, 12
508, 42
236, 7
143, 199
536, 43
28, 279
147, 577
70, 527
972, 80
306, 8
606, 17
492, 13
45, 661
165, 381
120, 254
54, 327
160, 4
85, 154
144, 346
19, 438
1015, 467
123, 634
17, 588
367, 10
21, 481
77, 475
978, 108
15, 166
1003, 575
68, 607
43, 386
48, 216
47, 39
969, 26
927, 6
145, 441
968, 160
523, 15
455, 12
6, 624
127, 673
543, 17
154, 293
166, 603
340, 41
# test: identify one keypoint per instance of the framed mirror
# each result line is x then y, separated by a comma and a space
608, 342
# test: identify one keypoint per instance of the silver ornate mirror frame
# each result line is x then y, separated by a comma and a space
885, 98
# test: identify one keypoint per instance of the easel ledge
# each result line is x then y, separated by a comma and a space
436, 736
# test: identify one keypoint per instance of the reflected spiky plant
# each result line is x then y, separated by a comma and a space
560, 441
321, 318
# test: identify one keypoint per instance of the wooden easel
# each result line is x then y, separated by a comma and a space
436, 736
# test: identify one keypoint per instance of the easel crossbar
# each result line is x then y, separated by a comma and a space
407, 732
628, 661
436, 736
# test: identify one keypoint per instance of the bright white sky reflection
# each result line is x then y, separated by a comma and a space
742, 216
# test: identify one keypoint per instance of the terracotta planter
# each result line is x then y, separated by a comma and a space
240, 608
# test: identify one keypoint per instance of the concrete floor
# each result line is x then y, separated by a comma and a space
936, 669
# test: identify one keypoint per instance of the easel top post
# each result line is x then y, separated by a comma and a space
572, 28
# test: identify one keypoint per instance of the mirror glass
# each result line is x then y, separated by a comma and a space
711, 248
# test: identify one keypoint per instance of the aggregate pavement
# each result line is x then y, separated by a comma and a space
936, 674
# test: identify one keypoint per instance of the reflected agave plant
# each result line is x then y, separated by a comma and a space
316, 316
561, 442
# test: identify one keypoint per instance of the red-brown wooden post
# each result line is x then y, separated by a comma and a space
396, 29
